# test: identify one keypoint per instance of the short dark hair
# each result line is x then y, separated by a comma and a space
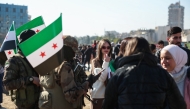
161, 42
152, 47
174, 30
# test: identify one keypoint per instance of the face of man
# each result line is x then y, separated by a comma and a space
160, 46
175, 39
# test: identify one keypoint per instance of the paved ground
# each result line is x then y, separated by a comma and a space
7, 103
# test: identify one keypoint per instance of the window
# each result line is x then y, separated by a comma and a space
0, 8
21, 17
21, 23
14, 10
7, 10
21, 10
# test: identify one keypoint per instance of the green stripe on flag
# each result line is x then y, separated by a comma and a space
42, 37
12, 27
34, 23
111, 65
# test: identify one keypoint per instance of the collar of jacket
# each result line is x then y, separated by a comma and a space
139, 58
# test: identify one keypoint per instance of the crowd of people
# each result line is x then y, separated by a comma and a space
132, 74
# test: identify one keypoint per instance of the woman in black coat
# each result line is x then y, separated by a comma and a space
140, 83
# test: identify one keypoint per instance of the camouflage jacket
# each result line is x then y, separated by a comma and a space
17, 72
16, 76
71, 82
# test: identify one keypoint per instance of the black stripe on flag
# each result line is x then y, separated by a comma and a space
8, 45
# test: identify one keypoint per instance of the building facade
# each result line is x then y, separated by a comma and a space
10, 13
176, 15
185, 35
148, 34
161, 33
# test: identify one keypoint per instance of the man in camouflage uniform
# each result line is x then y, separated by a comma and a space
21, 79
64, 87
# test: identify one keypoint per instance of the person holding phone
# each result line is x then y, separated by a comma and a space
101, 61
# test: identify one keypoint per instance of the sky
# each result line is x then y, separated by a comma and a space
93, 17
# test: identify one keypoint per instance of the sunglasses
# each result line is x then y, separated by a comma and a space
104, 47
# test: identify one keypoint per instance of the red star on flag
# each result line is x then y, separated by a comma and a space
9, 52
54, 46
42, 54
37, 30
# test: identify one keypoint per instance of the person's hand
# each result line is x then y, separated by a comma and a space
36, 81
107, 58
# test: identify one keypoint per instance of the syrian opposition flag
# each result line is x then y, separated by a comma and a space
44, 50
36, 24
9, 47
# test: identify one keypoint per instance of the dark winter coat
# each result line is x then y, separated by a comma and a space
140, 83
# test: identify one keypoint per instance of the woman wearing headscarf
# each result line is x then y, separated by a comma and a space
173, 59
140, 83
